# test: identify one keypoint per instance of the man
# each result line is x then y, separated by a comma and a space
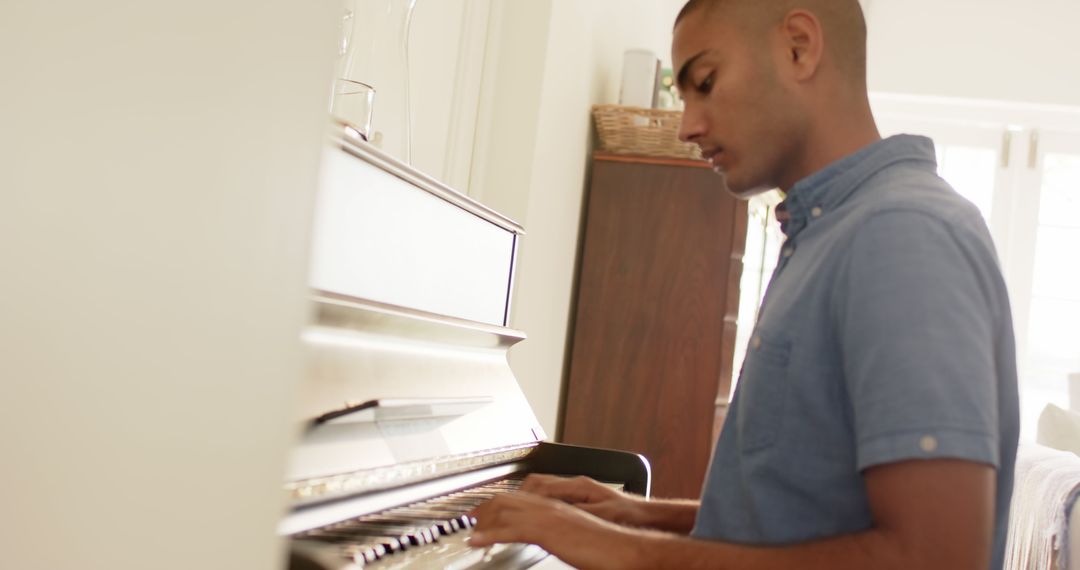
875, 422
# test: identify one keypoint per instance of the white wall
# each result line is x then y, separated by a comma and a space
1014, 50
433, 62
447, 52
157, 168
446, 49
556, 59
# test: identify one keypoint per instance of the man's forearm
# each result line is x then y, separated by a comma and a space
930, 515
868, 549
671, 515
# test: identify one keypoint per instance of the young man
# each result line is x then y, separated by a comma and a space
876, 420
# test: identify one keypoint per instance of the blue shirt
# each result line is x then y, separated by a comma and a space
885, 335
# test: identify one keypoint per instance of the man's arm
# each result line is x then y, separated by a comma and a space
671, 515
927, 514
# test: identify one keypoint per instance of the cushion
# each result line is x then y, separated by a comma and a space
1059, 429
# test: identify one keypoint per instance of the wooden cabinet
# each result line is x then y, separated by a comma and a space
657, 300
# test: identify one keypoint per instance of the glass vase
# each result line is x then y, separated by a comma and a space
379, 57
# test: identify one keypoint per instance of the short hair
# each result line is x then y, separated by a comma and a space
691, 6
840, 19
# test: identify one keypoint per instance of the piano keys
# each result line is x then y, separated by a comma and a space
411, 414
426, 533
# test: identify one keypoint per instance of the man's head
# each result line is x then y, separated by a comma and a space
772, 87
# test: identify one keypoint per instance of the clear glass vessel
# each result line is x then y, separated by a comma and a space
379, 57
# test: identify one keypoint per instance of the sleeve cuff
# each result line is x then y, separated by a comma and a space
928, 444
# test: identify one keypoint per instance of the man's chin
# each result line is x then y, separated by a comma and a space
742, 191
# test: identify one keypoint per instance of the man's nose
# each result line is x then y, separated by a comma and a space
692, 126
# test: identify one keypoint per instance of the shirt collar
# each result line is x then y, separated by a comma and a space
828, 188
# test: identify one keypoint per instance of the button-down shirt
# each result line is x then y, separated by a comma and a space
885, 335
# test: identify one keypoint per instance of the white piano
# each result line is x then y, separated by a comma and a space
411, 415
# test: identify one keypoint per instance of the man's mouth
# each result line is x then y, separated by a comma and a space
714, 156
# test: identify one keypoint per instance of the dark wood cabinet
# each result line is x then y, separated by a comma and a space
657, 300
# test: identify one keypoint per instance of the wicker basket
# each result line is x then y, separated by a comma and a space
643, 132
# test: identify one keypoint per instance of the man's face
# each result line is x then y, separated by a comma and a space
737, 109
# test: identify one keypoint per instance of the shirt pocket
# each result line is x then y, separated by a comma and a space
763, 388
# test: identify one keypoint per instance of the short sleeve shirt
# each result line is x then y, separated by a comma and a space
885, 336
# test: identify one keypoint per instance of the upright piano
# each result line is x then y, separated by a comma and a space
411, 414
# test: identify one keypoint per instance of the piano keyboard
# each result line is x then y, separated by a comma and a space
426, 534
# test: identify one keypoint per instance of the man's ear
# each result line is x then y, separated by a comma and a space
804, 43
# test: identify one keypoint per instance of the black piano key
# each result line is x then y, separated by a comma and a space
418, 536
430, 526
390, 543
435, 523
439, 524
406, 535
368, 552
445, 528
425, 529
428, 535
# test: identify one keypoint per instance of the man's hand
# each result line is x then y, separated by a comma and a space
590, 496
615, 506
573, 535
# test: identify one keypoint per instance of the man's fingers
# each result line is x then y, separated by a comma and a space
532, 519
482, 538
514, 517
497, 512
569, 489
540, 484
595, 509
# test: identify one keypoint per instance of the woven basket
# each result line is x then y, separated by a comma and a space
643, 132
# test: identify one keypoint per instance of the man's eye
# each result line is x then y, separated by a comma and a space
706, 84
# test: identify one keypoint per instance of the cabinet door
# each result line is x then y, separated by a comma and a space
656, 309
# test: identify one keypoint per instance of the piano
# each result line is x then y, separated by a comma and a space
411, 414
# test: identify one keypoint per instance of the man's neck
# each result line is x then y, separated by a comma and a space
838, 133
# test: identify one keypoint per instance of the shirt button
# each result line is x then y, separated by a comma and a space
756, 342
788, 252
928, 443
816, 212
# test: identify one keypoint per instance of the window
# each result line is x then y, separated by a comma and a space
762, 250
